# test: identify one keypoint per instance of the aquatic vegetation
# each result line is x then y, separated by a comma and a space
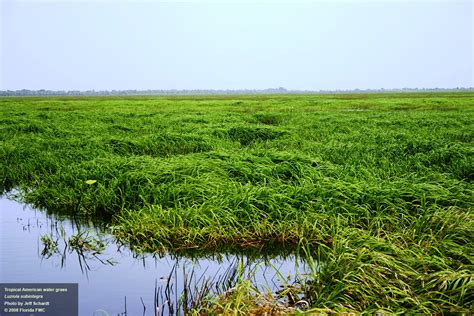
377, 186
50, 245
232, 292
85, 242
89, 246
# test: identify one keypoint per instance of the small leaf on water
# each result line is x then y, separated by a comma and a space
91, 181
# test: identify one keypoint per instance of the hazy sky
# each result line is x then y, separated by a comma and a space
68, 45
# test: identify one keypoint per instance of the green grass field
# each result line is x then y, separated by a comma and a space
379, 187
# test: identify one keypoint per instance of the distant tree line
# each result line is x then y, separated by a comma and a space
281, 90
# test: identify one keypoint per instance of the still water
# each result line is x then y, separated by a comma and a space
115, 280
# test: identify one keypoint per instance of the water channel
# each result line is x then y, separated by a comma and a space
112, 279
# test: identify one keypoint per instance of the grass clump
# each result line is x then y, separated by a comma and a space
158, 145
50, 245
85, 242
248, 135
269, 118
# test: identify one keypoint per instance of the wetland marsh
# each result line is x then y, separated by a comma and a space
376, 186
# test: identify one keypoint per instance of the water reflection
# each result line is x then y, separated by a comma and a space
39, 247
86, 245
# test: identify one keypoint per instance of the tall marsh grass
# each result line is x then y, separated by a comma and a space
379, 186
